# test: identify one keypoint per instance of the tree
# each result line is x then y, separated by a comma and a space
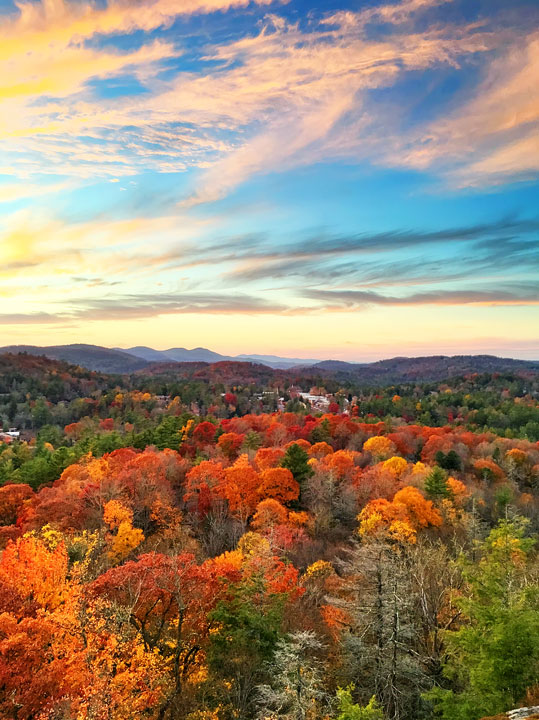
436, 484
348, 710
204, 434
127, 538
12, 499
62, 655
269, 512
451, 461
279, 484
248, 623
169, 601
203, 487
400, 519
296, 460
241, 489
494, 657
248, 626
379, 447
381, 645
296, 690
229, 443
268, 457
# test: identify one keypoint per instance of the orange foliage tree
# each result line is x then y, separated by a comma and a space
278, 483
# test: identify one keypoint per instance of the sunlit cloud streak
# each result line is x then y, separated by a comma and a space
356, 299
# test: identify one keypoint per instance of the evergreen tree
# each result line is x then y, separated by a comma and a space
349, 710
451, 461
248, 626
296, 460
436, 484
321, 432
12, 409
494, 657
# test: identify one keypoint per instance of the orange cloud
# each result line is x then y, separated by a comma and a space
286, 96
493, 135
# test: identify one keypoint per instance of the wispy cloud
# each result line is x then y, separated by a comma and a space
491, 137
30, 319
141, 306
288, 95
354, 300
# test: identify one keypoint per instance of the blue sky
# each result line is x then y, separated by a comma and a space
353, 180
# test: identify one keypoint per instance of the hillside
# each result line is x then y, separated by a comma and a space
55, 379
185, 363
92, 357
429, 368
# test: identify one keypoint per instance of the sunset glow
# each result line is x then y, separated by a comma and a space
353, 180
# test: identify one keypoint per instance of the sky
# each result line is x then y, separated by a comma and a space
311, 178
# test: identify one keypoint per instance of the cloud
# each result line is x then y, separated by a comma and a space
284, 97
261, 248
47, 61
354, 300
141, 306
311, 88
491, 136
30, 319
14, 192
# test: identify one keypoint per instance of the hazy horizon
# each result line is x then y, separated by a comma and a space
323, 355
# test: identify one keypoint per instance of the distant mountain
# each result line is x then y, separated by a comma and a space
429, 368
277, 362
200, 354
143, 359
146, 353
92, 357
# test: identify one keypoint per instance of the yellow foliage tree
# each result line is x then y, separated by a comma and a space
395, 465
127, 538
379, 447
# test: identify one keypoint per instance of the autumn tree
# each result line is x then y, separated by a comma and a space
125, 538
241, 489
60, 651
279, 484
380, 447
169, 601
229, 443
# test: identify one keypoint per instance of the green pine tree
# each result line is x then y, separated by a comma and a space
349, 710
494, 658
296, 460
436, 484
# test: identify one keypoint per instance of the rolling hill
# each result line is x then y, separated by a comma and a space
184, 362
92, 357
428, 368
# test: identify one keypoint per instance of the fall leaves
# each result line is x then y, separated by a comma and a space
153, 583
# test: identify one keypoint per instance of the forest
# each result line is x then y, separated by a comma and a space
203, 543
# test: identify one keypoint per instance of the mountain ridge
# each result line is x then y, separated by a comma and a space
200, 354
388, 371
